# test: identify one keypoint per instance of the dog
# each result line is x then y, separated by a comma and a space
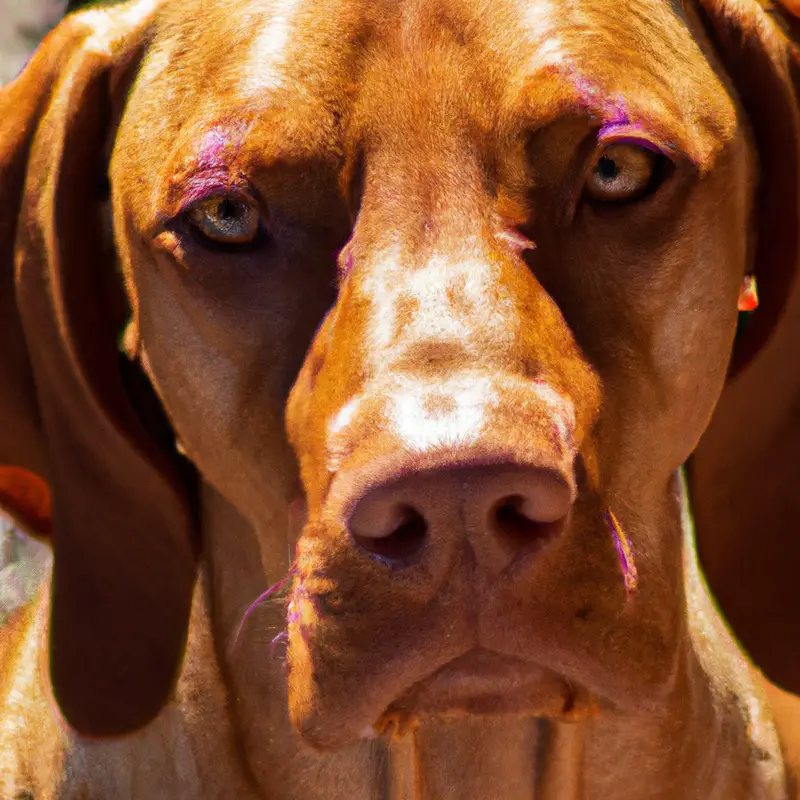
352, 356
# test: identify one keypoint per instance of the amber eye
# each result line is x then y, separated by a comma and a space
225, 220
622, 172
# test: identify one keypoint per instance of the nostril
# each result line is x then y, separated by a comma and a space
513, 519
400, 540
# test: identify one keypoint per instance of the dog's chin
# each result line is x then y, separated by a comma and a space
480, 683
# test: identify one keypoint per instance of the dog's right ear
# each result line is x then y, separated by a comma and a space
74, 412
744, 472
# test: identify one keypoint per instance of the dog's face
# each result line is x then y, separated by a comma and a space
518, 230
454, 282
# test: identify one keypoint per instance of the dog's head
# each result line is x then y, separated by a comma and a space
467, 270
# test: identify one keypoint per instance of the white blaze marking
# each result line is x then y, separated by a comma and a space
422, 429
541, 23
268, 52
490, 319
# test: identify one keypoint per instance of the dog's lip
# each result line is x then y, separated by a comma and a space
484, 681
482, 671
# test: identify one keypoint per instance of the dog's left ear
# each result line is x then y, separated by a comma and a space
77, 423
744, 475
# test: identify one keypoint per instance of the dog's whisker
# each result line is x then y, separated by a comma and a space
627, 563
283, 636
273, 593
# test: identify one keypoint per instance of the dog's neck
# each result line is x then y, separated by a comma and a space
699, 740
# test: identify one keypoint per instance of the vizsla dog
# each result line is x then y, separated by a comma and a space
351, 352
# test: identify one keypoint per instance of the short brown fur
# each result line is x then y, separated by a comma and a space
419, 167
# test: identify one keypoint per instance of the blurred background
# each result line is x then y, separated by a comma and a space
23, 23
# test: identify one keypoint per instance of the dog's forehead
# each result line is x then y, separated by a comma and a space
296, 41
310, 77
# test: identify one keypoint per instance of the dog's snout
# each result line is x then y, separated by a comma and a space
517, 506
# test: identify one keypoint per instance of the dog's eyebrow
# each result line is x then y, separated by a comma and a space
201, 183
202, 187
216, 146
617, 115
207, 168
647, 112
620, 120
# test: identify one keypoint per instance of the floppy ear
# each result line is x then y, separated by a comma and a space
744, 475
72, 410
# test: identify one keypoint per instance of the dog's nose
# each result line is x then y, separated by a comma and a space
516, 506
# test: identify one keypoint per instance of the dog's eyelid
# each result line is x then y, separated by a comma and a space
679, 155
177, 191
237, 191
636, 138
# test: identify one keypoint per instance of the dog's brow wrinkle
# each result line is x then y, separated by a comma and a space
212, 149
206, 167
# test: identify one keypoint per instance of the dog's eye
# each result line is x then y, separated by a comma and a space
622, 172
225, 220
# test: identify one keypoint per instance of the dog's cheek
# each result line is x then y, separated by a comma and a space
695, 388
694, 349
200, 390
693, 330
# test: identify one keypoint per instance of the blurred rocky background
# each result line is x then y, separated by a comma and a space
23, 564
22, 25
